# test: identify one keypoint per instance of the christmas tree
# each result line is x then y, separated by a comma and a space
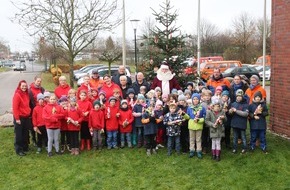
166, 44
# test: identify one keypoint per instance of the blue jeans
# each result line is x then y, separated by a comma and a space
128, 137
140, 133
112, 138
170, 142
236, 137
261, 133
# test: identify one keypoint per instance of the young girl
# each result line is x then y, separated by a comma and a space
131, 99
225, 106
172, 121
64, 134
94, 95
125, 121
258, 111
102, 98
38, 123
206, 103
239, 112
138, 128
196, 118
85, 107
218, 94
74, 117
97, 124
150, 130
52, 113
215, 119
111, 116
72, 93
184, 132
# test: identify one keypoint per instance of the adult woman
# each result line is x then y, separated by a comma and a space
62, 89
109, 87
237, 84
21, 114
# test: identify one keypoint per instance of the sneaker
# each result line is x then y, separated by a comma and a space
68, 147
234, 151
160, 146
199, 154
265, 151
191, 154
38, 151
58, 153
148, 152
115, 147
49, 154
243, 151
154, 151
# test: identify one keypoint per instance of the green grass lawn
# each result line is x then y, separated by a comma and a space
132, 169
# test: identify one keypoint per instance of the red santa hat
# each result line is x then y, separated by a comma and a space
164, 65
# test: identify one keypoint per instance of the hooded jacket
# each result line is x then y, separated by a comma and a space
61, 90
126, 114
37, 119
97, 119
76, 115
33, 91
52, 114
260, 123
20, 103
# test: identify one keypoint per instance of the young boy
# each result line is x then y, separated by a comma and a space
184, 132
172, 121
196, 115
258, 111
38, 123
239, 112
97, 124
138, 127
225, 106
125, 121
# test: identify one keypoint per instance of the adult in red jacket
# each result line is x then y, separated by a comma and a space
109, 87
63, 88
21, 114
34, 89
97, 124
165, 79
85, 86
125, 121
52, 115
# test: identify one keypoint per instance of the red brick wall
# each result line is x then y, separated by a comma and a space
280, 68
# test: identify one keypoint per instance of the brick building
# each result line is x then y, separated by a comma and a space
280, 68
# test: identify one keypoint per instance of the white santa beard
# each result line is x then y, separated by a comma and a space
164, 76
165, 87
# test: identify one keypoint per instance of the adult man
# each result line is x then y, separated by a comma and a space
216, 80
236, 84
140, 81
121, 71
254, 87
62, 89
165, 80
95, 81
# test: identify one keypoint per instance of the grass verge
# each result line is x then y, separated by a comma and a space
132, 169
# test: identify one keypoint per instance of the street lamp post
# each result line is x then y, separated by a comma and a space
134, 23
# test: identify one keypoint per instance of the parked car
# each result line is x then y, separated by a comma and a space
84, 71
247, 71
85, 67
267, 74
19, 66
105, 70
7, 63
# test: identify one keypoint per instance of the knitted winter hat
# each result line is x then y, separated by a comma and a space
102, 92
97, 103
124, 102
225, 93
216, 102
63, 99
40, 96
258, 93
239, 92
174, 91
179, 92
187, 92
195, 95
157, 89
158, 102
130, 91
256, 78
112, 98
141, 96
181, 97
46, 94
219, 88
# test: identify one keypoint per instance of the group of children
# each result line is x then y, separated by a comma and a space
186, 121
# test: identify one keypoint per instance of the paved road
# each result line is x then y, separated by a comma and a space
9, 81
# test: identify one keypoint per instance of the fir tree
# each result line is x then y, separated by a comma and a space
166, 44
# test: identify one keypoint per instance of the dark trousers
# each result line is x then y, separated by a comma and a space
228, 136
170, 144
150, 141
21, 134
32, 132
42, 138
184, 138
64, 138
205, 140
74, 139
85, 132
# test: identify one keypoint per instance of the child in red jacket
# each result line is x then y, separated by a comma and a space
111, 116
96, 124
64, 134
125, 121
52, 114
38, 123
85, 106
74, 117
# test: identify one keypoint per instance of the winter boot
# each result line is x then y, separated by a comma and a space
154, 151
82, 144
199, 154
191, 154
148, 152
77, 151
218, 155
88, 144
129, 145
134, 140
122, 144
213, 154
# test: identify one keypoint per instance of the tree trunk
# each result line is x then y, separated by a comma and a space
71, 68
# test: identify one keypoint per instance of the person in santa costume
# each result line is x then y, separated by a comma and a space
165, 79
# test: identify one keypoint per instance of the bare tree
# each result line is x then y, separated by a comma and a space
74, 23
260, 31
244, 30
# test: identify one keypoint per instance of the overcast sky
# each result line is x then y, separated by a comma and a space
219, 12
